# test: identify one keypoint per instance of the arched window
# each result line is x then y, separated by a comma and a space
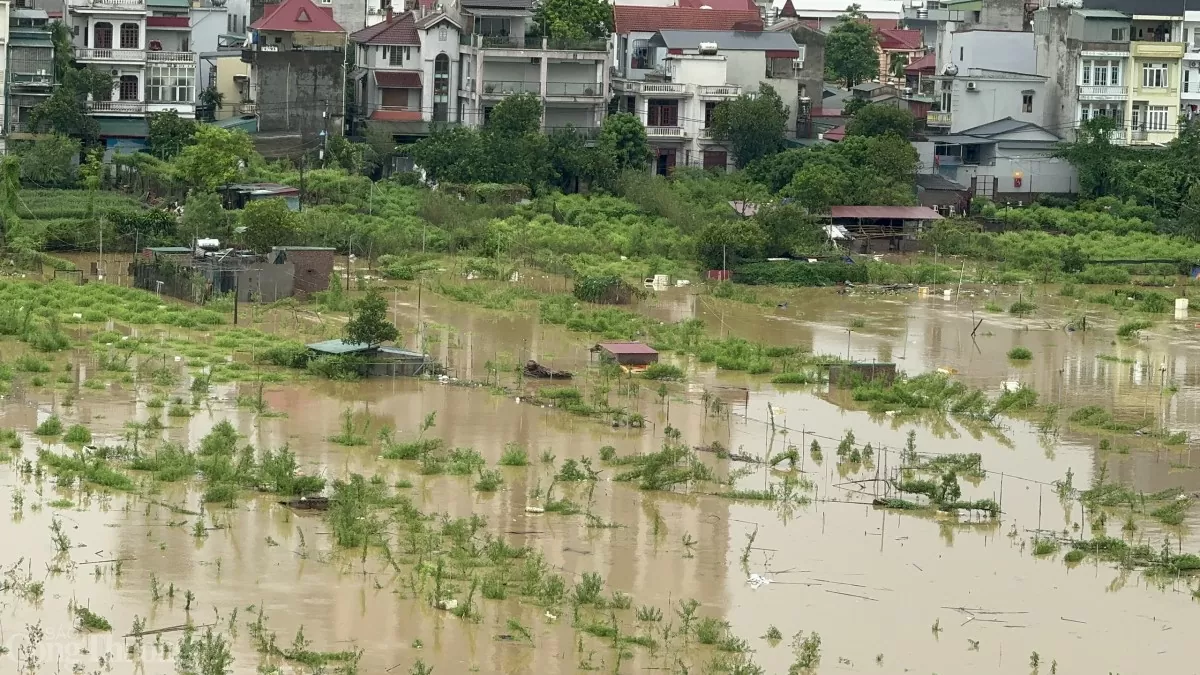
130, 36
104, 35
441, 88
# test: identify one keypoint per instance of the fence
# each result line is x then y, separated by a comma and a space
179, 282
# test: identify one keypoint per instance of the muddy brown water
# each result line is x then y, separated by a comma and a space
870, 582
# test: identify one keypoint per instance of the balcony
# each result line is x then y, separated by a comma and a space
677, 133
171, 57
937, 118
529, 43
1101, 93
720, 91
117, 107
107, 5
502, 88
573, 89
245, 109
93, 55
1157, 50
586, 133
922, 11
1139, 135
661, 88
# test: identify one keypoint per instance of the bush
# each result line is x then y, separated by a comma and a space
1021, 308
347, 367
798, 273
1130, 329
51, 427
78, 434
662, 371
1103, 274
1020, 354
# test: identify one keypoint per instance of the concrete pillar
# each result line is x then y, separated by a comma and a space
544, 66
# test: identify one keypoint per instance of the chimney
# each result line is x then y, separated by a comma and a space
389, 13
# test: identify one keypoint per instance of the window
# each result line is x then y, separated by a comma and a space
170, 84
491, 26
1120, 34
1101, 73
960, 53
1154, 75
663, 113
441, 88
1156, 118
130, 34
128, 88
710, 108
639, 59
1089, 111
104, 35
396, 57
442, 34
1027, 103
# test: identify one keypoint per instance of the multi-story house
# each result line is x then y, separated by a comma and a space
145, 46
454, 64
297, 77
30, 67
1111, 63
690, 72
1189, 88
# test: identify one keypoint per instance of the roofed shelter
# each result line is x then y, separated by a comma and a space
627, 353
378, 361
883, 229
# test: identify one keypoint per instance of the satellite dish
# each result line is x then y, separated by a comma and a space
950, 70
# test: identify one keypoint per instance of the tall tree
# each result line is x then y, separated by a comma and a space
751, 126
170, 133
50, 161
368, 324
214, 159
851, 50
574, 19
516, 115
897, 65
623, 138
267, 223
1094, 156
879, 120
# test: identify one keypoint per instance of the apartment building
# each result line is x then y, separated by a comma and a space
29, 68
455, 63
1189, 87
1105, 62
689, 72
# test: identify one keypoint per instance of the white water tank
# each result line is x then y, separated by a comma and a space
709, 48
208, 244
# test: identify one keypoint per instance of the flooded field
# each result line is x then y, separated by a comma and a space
887, 590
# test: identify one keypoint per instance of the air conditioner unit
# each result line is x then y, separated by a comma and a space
797, 64
972, 87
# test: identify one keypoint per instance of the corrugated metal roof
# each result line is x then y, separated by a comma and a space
303, 248
726, 40
339, 347
1100, 13
626, 348
891, 212
933, 181
497, 4
169, 249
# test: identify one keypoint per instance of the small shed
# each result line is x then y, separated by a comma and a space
379, 361
237, 195
627, 353
881, 229
943, 195
313, 266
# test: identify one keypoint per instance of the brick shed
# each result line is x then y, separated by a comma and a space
313, 265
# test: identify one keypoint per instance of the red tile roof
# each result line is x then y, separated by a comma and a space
398, 79
167, 22
788, 9
895, 212
396, 115
900, 39
720, 5
626, 347
297, 16
927, 62
885, 24
639, 19
401, 30
835, 135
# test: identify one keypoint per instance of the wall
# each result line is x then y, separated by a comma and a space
372, 56
434, 42
208, 23
1057, 60
748, 68
579, 117
351, 15
299, 86
993, 50
227, 67
311, 270
811, 78
994, 99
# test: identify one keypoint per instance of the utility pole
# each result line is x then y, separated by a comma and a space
303, 161
324, 137
349, 251
101, 249
236, 293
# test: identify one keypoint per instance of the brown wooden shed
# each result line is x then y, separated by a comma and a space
627, 353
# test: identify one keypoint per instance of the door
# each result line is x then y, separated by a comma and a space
664, 162
715, 159
395, 99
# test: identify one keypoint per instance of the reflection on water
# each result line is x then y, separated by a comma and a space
871, 582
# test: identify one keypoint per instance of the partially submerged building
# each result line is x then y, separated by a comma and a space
200, 275
627, 353
882, 229
378, 361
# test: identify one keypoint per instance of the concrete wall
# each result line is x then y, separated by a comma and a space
993, 50
622, 55
294, 88
749, 68
1057, 59
372, 56
227, 67
811, 79
994, 99
580, 117
311, 270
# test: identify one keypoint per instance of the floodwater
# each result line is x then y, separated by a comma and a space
872, 583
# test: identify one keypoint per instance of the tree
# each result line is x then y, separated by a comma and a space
267, 223
789, 230
623, 138
10, 186
1094, 156
574, 19
65, 111
214, 159
729, 242
450, 153
851, 50
897, 65
516, 115
752, 127
209, 103
851, 107
817, 187
50, 161
203, 216
170, 133
368, 324
880, 120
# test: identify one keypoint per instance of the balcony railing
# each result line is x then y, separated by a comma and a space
937, 118
510, 42
662, 88
1162, 50
1139, 135
573, 89
534, 43
720, 90
508, 87
117, 107
587, 133
105, 54
108, 4
171, 57
247, 108
665, 132
1087, 91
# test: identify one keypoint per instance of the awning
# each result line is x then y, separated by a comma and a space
124, 127
398, 79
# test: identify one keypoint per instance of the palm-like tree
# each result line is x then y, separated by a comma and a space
899, 63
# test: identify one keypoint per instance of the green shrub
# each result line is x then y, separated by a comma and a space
78, 434
1132, 328
662, 371
514, 455
1020, 354
1021, 308
51, 427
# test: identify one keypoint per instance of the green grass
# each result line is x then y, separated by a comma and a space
514, 455
1130, 329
